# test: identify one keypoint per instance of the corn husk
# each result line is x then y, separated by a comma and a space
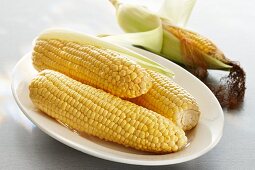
163, 33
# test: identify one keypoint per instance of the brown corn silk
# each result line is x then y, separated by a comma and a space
230, 89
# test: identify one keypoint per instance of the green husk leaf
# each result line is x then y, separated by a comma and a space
147, 31
127, 19
150, 40
177, 11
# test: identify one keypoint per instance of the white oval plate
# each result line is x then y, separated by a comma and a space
202, 139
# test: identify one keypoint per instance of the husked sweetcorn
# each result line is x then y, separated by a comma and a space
170, 100
98, 113
99, 67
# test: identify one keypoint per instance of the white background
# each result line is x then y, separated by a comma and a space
229, 23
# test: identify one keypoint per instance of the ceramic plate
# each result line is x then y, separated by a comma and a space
201, 139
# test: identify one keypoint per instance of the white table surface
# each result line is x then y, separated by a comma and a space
230, 23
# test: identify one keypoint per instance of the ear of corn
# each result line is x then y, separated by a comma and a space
179, 45
170, 100
95, 112
99, 67
192, 49
84, 39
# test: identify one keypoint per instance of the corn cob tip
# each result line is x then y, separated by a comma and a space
170, 100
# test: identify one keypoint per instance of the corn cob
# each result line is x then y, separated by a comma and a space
98, 113
96, 66
193, 49
179, 45
170, 100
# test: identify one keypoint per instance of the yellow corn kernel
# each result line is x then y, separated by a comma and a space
102, 123
201, 44
170, 100
96, 66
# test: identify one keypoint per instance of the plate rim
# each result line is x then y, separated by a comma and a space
91, 152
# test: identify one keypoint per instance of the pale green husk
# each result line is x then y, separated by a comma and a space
145, 29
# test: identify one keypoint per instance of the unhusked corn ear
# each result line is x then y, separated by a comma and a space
96, 66
170, 100
196, 50
98, 113
202, 43
176, 44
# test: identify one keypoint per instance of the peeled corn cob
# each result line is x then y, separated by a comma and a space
96, 66
95, 112
170, 100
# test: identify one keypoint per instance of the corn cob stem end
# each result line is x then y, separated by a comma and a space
187, 119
